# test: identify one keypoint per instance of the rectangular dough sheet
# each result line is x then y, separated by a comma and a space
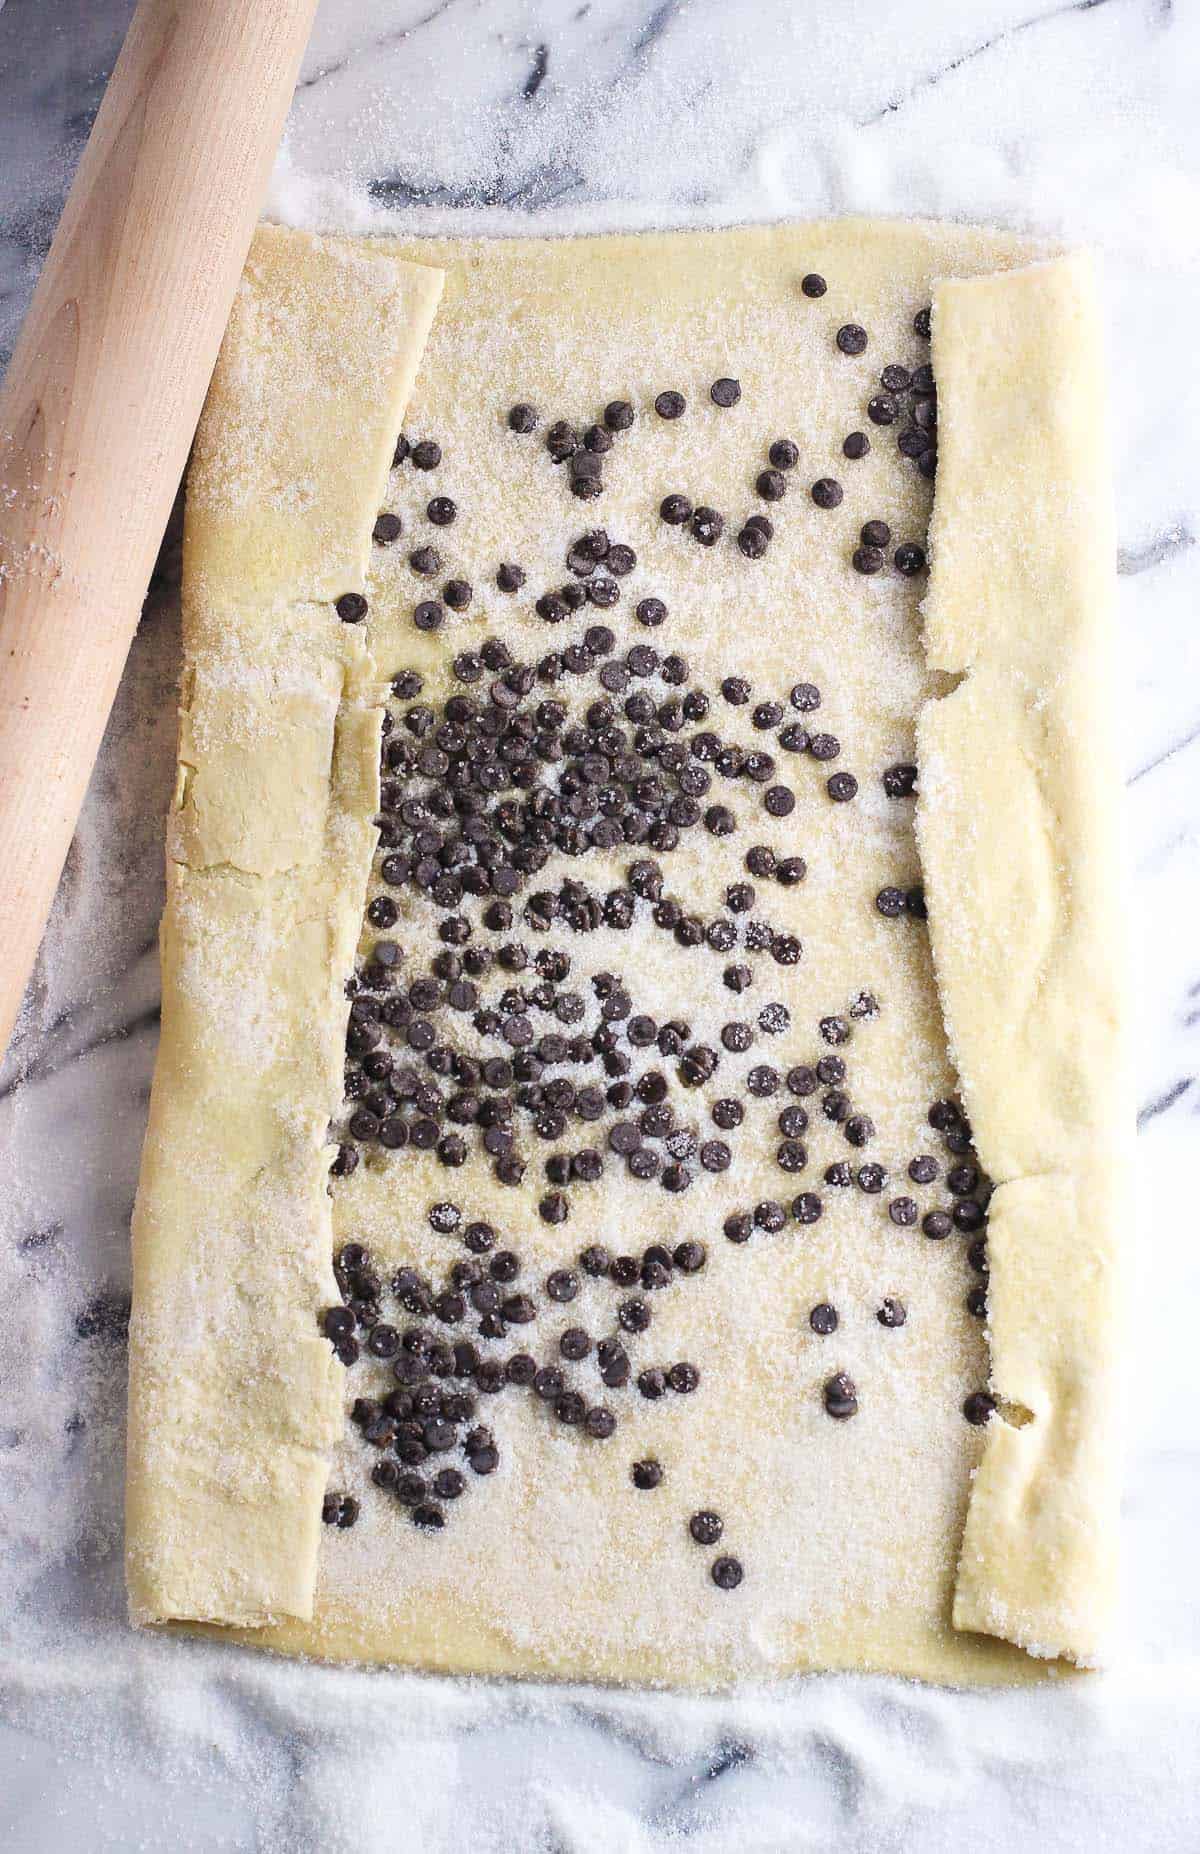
906, 1539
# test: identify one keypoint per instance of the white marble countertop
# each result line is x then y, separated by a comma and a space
1077, 119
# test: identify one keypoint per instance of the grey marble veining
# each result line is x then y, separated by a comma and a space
1069, 119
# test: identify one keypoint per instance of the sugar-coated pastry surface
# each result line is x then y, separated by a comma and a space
686, 749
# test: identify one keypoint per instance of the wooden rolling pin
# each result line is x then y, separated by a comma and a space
102, 395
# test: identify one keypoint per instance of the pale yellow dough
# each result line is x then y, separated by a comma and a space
906, 1539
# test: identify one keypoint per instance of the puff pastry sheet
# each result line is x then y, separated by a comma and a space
963, 1554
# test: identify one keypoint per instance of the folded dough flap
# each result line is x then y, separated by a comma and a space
1018, 828
235, 1396
293, 448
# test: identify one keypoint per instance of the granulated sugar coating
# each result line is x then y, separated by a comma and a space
153, 1742
652, 325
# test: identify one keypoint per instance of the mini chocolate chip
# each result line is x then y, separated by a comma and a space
675, 510
976, 1302
851, 339
633, 1315
725, 392
562, 441
923, 323
428, 615
707, 525
909, 559
652, 1383
903, 1211
726, 1573
401, 451
599, 1423
826, 492
937, 1225
738, 1227
979, 1407
388, 528
855, 444
890, 903
900, 780
651, 612
783, 454
618, 415
562, 1284
891, 1313
670, 405
522, 418
823, 1319
867, 560
706, 1526
752, 542
813, 285
968, 1216
442, 511
646, 1474
457, 594
683, 1378
771, 485
842, 787
841, 1395
882, 409
351, 607
426, 455
779, 801
509, 578
923, 1169
807, 1207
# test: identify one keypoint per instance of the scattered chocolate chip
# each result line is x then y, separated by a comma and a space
855, 444
646, 1474
706, 1526
909, 558
618, 415
891, 1313
842, 787
725, 392
840, 1396
426, 455
823, 1319
351, 607
851, 339
675, 510
670, 405
978, 1407
522, 419
826, 492
707, 526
